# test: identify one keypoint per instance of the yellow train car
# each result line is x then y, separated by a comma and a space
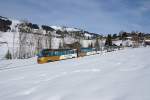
49, 55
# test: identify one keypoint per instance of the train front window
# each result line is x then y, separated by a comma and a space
45, 53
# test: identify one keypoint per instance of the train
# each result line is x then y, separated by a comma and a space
87, 52
50, 55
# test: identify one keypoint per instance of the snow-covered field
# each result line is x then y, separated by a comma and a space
118, 75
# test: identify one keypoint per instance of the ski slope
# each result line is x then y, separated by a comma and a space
118, 75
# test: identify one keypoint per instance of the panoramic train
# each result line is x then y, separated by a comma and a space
87, 51
49, 55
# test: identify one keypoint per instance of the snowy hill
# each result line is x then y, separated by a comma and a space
98, 77
24, 39
15, 24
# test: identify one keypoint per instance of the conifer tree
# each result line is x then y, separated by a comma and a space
8, 55
108, 40
97, 46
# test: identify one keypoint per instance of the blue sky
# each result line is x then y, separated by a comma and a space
100, 16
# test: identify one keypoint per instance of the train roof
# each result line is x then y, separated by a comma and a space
56, 49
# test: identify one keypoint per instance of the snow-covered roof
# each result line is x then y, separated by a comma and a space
129, 37
147, 40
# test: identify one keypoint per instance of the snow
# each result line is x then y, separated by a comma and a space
66, 28
124, 43
3, 18
15, 41
87, 35
72, 29
56, 27
6, 44
86, 43
6, 38
118, 75
14, 25
118, 42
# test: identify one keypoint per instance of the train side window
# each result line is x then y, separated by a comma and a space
59, 53
50, 54
72, 52
63, 53
68, 51
55, 53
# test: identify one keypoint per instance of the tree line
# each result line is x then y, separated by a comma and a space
5, 25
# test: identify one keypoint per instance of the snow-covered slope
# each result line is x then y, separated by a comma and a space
119, 75
65, 28
15, 23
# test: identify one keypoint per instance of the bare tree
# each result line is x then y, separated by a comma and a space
50, 39
97, 45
